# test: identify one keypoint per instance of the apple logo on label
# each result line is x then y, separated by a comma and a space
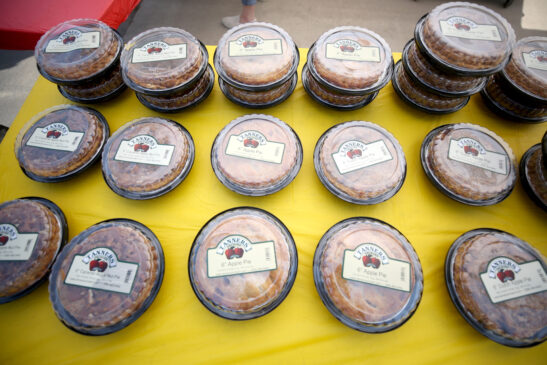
97, 265
470, 150
141, 147
371, 262
506, 275
3, 240
461, 26
68, 40
234, 252
354, 153
248, 44
154, 50
53, 134
249, 142
345, 48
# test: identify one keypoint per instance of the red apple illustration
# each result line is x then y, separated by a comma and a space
229, 253
462, 26
509, 275
57, 134
69, 39
238, 252
249, 142
542, 58
350, 154
102, 266
375, 262
347, 48
248, 44
357, 152
3, 240
467, 149
144, 147
94, 265
474, 152
51, 134
137, 147
366, 261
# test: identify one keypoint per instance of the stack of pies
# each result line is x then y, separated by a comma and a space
346, 67
497, 282
368, 275
455, 47
533, 172
256, 64
168, 69
242, 263
469, 163
519, 91
147, 157
82, 57
32, 231
60, 142
106, 277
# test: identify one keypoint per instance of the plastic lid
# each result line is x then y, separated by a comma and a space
533, 175
60, 142
77, 50
544, 149
256, 155
242, 263
147, 157
351, 59
32, 231
360, 162
466, 38
497, 283
469, 163
163, 60
106, 277
527, 69
256, 56
368, 275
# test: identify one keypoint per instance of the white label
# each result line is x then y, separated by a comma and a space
369, 264
510, 280
159, 51
471, 152
536, 59
144, 149
355, 155
55, 136
73, 39
236, 255
15, 246
254, 145
349, 50
464, 28
101, 269
253, 45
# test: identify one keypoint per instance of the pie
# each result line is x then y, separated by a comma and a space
60, 142
27, 224
533, 174
263, 262
346, 268
99, 88
259, 98
466, 37
360, 162
77, 50
483, 258
470, 163
106, 277
147, 157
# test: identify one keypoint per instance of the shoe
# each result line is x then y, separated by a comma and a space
232, 21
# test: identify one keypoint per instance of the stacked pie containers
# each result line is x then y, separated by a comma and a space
346, 67
82, 57
455, 48
168, 69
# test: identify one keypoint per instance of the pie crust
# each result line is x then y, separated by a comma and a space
99, 89
261, 98
364, 303
29, 216
253, 293
533, 174
94, 311
151, 171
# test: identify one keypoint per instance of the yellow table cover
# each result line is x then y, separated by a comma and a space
177, 328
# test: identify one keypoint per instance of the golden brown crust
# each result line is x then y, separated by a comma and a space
536, 174
498, 94
97, 88
259, 97
332, 97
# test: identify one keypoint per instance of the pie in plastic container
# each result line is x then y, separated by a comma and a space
106, 277
368, 275
533, 174
242, 263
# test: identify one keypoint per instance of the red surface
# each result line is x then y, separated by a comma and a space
24, 21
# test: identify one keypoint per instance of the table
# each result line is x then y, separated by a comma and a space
178, 329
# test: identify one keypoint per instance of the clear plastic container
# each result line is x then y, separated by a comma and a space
242, 263
469, 163
368, 275
351, 60
61, 142
533, 175
147, 157
360, 162
497, 283
465, 38
417, 96
32, 232
256, 155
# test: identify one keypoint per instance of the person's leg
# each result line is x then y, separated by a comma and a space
247, 15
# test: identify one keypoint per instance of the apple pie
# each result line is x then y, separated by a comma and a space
533, 174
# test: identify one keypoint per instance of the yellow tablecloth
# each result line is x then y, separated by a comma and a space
177, 328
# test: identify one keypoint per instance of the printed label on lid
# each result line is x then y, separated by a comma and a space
15, 246
505, 279
349, 50
370, 264
55, 136
253, 45
464, 28
159, 51
536, 59
73, 39
100, 269
254, 145
354, 155
471, 152
236, 254
146, 150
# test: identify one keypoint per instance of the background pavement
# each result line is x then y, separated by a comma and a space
304, 20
